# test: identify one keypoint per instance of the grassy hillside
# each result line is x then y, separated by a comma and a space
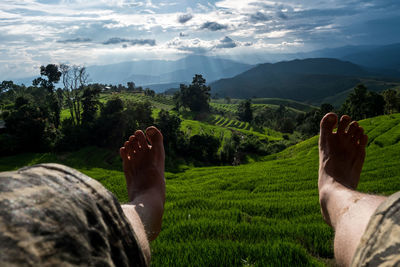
259, 214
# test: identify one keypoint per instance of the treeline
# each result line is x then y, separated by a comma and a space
360, 104
32, 114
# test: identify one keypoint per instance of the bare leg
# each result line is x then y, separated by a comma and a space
144, 172
341, 157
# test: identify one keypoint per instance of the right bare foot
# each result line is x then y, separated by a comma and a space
341, 155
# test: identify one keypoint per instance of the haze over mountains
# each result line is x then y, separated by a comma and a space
163, 72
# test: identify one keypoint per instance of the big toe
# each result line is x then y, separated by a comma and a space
154, 135
328, 123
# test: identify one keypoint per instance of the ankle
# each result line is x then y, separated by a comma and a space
324, 195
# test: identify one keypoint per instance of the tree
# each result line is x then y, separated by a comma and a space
392, 101
53, 75
30, 125
361, 104
74, 79
138, 115
111, 125
245, 112
131, 86
90, 103
195, 96
169, 125
325, 108
8, 92
355, 104
308, 123
149, 92
204, 147
375, 104
6, 86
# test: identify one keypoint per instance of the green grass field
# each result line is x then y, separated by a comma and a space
260, 214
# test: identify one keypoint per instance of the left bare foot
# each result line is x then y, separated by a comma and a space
144, 173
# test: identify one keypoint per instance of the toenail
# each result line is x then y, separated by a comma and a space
330, 119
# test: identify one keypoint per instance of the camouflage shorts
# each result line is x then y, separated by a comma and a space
380, 244
52, 215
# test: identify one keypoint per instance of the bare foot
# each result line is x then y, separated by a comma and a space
144, 173
341, 155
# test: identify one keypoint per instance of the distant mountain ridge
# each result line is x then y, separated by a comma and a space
308, 80
166, 72
386, 57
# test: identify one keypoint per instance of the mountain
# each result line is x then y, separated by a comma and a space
163, 71
308, 80
384, 57
381, 59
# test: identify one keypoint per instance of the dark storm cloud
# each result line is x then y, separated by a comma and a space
213, 26
117, 40
331, 12
384, 30
226, 43
75, 40
387, 4
259, 16
281, 15
184, 18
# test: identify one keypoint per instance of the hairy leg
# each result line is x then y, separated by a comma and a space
341, 157
143, 165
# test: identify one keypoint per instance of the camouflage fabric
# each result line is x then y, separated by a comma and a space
52, 215
380, 244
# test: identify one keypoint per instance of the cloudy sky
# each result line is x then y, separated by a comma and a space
37, 32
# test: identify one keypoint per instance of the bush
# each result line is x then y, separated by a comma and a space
30, 125
204, 148
169, 125
8, 145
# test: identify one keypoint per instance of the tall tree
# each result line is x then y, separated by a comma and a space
195, 96
74, 79
53, 75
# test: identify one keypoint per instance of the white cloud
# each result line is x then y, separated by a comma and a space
274, 34
278, 46
33, 33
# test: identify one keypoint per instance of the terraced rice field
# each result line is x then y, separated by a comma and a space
245, 128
